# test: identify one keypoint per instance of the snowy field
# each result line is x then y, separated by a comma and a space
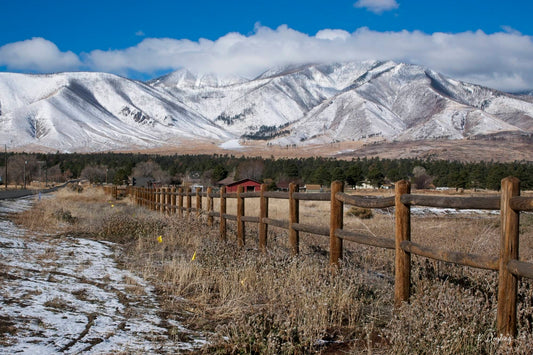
67, 295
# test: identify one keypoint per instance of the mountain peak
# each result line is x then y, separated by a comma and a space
184, 78
295, 104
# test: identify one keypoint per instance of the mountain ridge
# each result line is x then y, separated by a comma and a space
292, 105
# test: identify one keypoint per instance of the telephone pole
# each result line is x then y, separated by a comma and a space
5, 177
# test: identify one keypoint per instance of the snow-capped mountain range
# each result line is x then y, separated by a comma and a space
290, 105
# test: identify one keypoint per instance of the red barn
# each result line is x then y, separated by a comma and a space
247, 184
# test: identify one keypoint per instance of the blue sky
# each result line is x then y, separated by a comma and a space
487, 42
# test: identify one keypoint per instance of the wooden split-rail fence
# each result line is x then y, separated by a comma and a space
509, 203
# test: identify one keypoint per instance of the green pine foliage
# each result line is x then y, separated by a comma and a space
316, 170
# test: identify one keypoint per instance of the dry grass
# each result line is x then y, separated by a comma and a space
273, 303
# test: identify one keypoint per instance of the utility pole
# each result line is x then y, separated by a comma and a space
5, 177
25, 162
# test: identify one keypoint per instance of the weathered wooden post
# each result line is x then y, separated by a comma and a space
198, 201
180, 201
173, 199
294, 217
145, 201
507, 282
164, 195
209, 206
402, 279
336, 220
162, 199
153, 197
189, 201
263, 214
240, 214
168, 206
158, 196
223, 231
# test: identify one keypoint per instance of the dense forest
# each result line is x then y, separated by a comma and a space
119, 168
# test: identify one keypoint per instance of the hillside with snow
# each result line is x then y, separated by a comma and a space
297, 105
94, 112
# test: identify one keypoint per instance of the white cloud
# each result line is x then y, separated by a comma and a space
140, 33
37, 55
502, 60
377, 6
333, 35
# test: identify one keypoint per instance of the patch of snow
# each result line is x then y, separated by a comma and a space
231, 144
67, 295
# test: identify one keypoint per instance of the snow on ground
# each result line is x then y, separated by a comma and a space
67, 295
434, 211
231, 144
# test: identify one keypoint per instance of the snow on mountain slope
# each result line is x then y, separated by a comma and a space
347, 116
314, 103
340, 101
94, 111
275, 98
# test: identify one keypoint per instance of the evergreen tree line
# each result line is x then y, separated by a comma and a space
119, 167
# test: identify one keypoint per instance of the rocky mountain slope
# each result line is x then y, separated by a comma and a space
94, 111
301, 105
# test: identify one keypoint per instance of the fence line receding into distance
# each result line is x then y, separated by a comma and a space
509, 203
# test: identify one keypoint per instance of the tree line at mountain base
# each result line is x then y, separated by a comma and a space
119, 168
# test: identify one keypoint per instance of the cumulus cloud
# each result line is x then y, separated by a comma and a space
37, 55
377, 6
502, 60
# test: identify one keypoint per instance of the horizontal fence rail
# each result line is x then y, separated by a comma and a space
179, 201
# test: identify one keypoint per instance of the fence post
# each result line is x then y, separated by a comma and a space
146, 198
198, 201
173, 199
167, 200
209, 206
158, 196
180, 201
507, 282
240, 213
223, 231
152, 198
336, 220
189, 201
263, 214
402, 262
162, 198
294, 217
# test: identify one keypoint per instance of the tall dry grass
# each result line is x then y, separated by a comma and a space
272, 303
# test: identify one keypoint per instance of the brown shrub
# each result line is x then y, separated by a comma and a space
360, 212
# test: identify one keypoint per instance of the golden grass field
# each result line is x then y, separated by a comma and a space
248, 302
500, 150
